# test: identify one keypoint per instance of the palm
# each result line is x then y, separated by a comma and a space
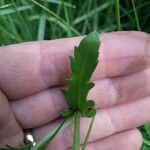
32, 75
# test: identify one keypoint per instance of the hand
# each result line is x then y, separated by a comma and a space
33, 73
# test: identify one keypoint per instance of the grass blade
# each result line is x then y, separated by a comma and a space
41, 29
136, 16
56, 16
12, 10
80, 19
67, 18
58, 2
117, 5
137, 7
146, 142
41, 145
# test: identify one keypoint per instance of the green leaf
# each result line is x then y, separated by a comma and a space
90, 103
90, 113
67, 112
83, 64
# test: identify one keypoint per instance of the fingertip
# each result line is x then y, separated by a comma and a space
137, 138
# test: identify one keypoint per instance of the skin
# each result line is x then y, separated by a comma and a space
33, 73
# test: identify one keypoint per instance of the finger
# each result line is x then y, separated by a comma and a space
127, 140
31, 67
10, 132
108, 122
45, 106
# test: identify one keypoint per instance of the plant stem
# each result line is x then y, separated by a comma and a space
76, 140
117, 5
136, 16
88, 133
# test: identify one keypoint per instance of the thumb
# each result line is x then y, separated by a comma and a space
10, 131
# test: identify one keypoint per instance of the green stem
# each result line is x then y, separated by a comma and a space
117, 5
88, 133
136, 16
50, 136
76, 140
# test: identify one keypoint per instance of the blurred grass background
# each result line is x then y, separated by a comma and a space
29, 20
26, 20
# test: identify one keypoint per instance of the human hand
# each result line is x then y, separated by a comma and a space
33, 73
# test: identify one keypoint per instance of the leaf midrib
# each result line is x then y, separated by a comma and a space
80, 79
